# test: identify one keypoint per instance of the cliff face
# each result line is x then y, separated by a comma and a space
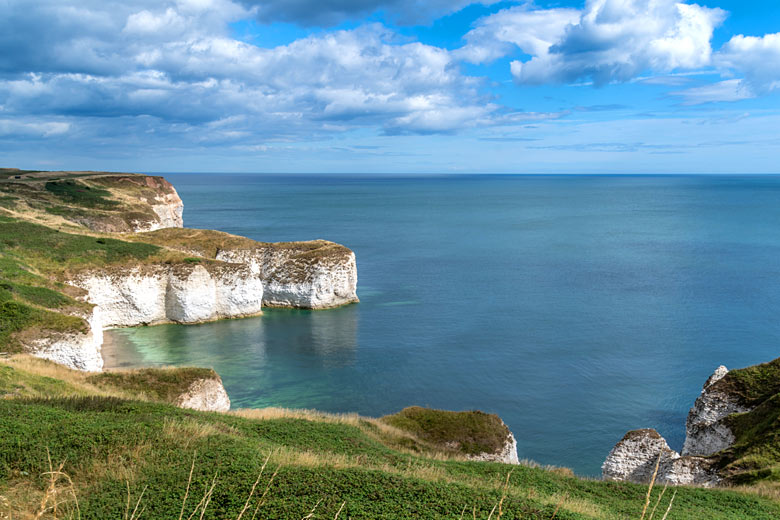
730, 434
147, 295
315, 274
507, 454
706, 431
309, 275
635, 457
206, 395
148, 275
74, 349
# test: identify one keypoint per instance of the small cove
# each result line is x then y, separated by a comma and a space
575, 307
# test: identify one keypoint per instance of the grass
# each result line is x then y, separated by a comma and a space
80, 194
753, 384
96, 200
208, 243
156, 383
109, 444
318, 464
30, 377
470, 433
51, 251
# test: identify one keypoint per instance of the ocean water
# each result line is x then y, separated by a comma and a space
575, 307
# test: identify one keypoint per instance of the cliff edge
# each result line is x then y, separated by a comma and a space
731, 435
85, 251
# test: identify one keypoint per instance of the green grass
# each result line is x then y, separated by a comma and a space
108, 443
27, 302
16, 317
472, 432
78, 193
753, 384
50, 250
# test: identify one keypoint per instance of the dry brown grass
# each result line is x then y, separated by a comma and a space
42, 378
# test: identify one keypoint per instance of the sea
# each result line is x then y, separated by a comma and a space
574, 307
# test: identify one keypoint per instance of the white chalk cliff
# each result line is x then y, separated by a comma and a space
162, 198
75, 349
308, 275
231, 283
634, 457
206, 395
179, 293
507, 454
705, 431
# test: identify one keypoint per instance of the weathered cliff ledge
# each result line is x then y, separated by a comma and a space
730, 435
315, 274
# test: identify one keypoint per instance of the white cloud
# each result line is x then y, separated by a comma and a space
176, 62
728, 90
757, 58
533, 32
333, 12
609, 40
16, 128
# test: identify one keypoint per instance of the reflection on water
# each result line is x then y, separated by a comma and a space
278, 349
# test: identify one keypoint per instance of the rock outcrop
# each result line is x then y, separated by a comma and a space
634, 459
172, 293
705, 430
308, 275
75, 349
475, 435
207, 395
506, 454
707, 433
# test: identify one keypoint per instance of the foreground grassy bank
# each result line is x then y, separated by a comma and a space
114, 442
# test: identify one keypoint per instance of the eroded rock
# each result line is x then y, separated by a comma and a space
705, 430
207, 395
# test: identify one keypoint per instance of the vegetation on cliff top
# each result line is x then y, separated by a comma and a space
469, 433
33, 257
99, 201
755, 455
316, 463
208, 242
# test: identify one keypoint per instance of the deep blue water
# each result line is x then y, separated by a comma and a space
575, 307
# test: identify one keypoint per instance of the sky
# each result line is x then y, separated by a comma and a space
391, 86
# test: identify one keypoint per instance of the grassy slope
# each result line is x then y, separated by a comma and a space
755, 456
108, 443
33, 257
97, 200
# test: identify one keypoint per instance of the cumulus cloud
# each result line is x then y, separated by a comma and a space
176, 62
608, 40
332, 12
531, 31
757, 58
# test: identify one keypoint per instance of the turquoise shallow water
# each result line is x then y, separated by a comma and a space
575, 307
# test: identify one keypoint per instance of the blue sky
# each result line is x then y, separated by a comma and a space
391, 86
